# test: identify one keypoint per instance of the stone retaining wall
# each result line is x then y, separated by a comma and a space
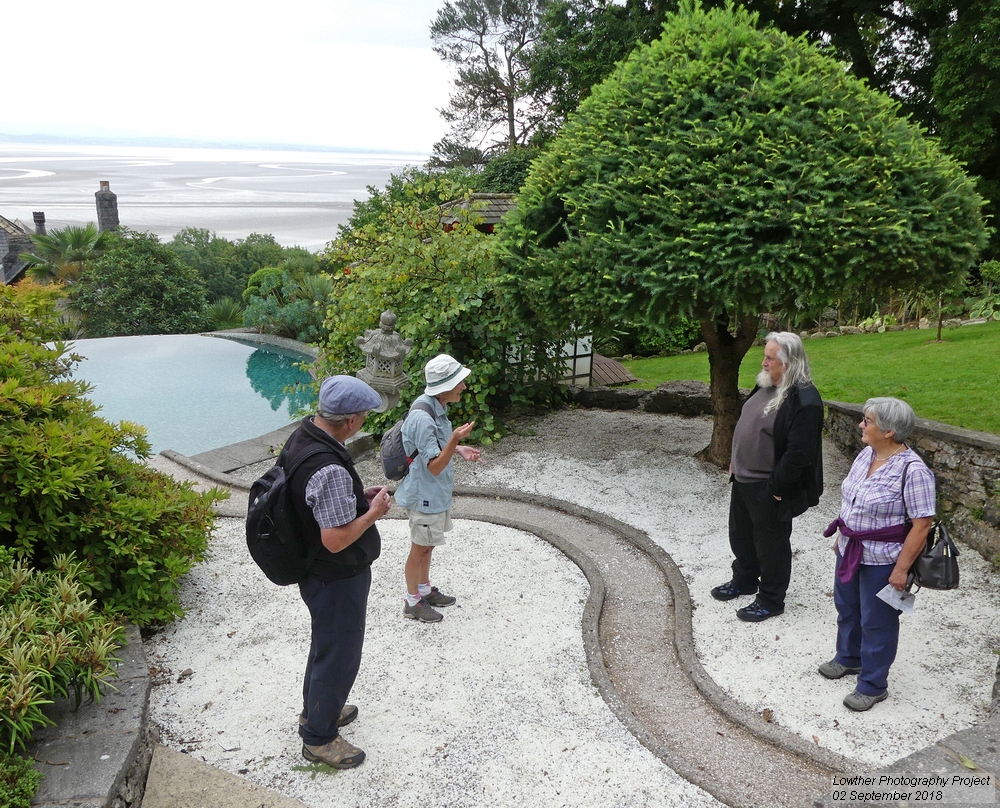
966, 463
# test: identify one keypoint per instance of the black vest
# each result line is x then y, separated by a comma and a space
351, 560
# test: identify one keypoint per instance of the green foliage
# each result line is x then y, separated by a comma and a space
214, 258
261, 250
28, 310
418, 186
941, 61
139, 287
988, 303
579, 43
442, 286
19, 781
953, 381
224, 265
506, 172
488, 42
56, 641
225, 313
63, 254
68, 485
642, 340
966, 91
726, 170
280, 303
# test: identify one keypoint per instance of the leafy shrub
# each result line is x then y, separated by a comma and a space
68, 484
644, 340
138, 286
18, 781
284, 302
442, 287
226, 265
988, 304
225, 313
57, 643
31, 308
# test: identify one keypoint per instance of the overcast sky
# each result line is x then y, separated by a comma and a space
348, 73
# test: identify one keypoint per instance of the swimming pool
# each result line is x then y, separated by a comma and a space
192, 393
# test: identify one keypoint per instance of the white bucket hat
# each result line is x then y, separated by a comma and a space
443, 373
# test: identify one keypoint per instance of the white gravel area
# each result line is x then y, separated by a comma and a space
494, 706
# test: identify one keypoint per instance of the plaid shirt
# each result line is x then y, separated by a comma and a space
330, 494
871, 503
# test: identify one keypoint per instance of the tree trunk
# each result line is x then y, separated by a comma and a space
725, 352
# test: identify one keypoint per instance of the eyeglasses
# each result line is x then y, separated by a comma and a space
868, 421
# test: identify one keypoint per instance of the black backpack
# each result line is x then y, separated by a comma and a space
276, 543
395, 461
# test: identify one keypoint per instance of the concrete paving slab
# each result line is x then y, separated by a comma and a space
177, 780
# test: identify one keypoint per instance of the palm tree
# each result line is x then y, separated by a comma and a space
63, 254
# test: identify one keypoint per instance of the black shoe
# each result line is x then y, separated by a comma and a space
755, 613
728, 591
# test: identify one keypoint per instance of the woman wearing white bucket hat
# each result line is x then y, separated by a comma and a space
426, 491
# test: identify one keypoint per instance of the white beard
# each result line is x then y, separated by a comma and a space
764, 379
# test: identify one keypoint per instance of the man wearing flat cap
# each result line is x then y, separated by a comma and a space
426, 491
337, 514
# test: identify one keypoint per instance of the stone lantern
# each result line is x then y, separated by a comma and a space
385, 351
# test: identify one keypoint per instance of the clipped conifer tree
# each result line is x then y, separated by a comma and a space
722, 172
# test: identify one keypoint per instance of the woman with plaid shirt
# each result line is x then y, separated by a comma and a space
883, 529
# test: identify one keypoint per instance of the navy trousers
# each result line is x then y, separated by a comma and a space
337, 610
761, 544
867, 626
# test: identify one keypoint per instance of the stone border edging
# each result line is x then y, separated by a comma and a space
117, 725
683, 638
202, 470
683, 625
266, 339
683, 630
595, 656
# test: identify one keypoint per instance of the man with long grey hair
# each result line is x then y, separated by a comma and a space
776, 473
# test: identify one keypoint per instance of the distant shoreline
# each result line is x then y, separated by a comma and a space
8, 138
300, 197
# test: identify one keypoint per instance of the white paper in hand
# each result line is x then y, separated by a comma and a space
900, 601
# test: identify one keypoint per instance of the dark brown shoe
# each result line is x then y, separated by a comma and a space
338, 754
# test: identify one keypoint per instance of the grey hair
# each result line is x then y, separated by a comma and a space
335, 419
891, 415
791, 354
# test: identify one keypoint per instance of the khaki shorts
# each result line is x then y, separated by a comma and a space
428, 529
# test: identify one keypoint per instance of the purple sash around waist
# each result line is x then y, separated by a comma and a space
852, 552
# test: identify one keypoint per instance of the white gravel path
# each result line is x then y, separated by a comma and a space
494, 706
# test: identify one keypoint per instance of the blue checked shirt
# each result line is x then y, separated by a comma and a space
871, 503
330, 494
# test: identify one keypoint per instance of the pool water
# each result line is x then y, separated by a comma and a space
192, 393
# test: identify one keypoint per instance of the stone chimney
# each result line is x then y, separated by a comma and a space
107, 207
39, 218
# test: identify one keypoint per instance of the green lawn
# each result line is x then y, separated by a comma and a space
955, 381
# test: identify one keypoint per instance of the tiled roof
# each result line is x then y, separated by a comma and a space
492, 207
13, 228
609, 372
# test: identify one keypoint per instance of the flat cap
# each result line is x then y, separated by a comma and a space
342, 395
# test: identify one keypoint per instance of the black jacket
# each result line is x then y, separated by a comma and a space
352, 559
798, 452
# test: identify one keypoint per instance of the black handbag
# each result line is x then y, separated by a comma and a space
937, 566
